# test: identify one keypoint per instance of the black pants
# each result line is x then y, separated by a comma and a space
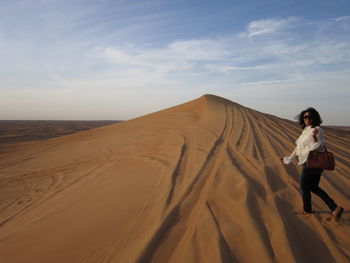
309, 180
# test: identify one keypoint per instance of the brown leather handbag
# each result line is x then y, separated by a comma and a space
322, 160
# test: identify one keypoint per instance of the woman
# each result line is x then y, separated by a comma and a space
311, 139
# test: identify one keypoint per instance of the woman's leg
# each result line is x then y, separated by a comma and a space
305, 186
320, 192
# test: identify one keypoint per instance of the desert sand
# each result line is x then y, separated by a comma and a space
13, 131
198, 182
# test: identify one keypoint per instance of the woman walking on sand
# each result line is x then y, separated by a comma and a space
311, 139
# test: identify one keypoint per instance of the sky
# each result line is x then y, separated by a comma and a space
116, 60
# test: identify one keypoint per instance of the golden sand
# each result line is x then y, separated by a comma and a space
198, 182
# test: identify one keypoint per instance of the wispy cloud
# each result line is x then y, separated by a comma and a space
178, 55
269, 55
342, 18
268, 26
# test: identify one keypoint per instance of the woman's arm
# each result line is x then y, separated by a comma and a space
294, 153
317, 136
287, 160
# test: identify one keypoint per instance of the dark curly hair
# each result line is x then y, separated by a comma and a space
315, 118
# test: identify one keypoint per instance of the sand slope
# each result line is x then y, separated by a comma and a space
199, 182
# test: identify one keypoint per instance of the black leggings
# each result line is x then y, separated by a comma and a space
309, 180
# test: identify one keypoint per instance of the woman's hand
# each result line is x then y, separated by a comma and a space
286, 160
314, 135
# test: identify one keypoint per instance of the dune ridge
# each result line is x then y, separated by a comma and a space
197, 182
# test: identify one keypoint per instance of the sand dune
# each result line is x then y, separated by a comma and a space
198, 182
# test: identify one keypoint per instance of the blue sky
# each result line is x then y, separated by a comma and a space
104, 59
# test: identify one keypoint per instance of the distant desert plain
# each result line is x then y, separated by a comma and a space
197, 182
13, 131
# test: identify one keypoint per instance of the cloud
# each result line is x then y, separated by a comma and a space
178, 55
270, 57
342, 18
267, 26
